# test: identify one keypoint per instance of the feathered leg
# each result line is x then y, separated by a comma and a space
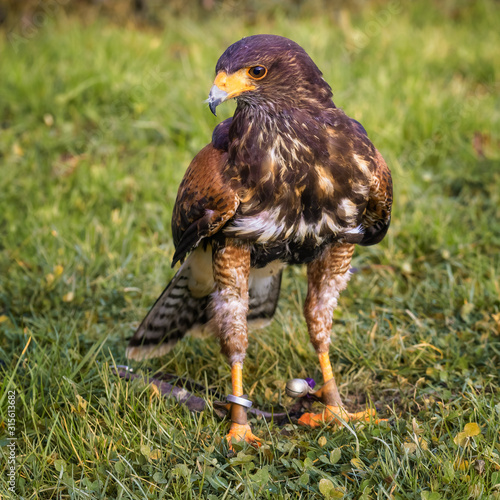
327, 277
231, 267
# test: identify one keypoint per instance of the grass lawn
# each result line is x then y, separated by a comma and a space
98, 124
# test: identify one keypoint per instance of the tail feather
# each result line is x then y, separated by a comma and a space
181, 307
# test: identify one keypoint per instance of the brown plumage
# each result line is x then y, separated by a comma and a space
289, 179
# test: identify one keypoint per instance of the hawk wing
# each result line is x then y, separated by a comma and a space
359, 180
377, 217
205, 201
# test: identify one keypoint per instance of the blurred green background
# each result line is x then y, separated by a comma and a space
101, 111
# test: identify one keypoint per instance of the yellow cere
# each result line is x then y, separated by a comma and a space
235, 83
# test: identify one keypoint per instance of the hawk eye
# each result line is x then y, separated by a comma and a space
257, 72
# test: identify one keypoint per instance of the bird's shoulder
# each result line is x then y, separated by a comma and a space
346, 136
220, 135
205, 199
350, 147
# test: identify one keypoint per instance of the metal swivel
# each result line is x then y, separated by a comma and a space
299, 388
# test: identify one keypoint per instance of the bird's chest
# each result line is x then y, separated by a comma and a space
291, 203
289, 220
276, 192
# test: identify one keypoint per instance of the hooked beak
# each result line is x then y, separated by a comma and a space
228, 86
216, 97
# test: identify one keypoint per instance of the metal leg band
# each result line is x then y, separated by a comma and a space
239, 401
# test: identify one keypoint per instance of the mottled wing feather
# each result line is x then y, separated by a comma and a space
377, 217
205, 201
361, 180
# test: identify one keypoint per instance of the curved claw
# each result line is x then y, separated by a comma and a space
337, 415
242, 432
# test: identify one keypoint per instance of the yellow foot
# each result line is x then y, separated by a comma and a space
240, 432
337, 414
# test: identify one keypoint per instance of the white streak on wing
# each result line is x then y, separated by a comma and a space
267, 177
363, 165
361, 189
272, 155
289, 231
326, 184
299, 145
347, 210
327, 221
305, 230
267, 225
355, 230
302, 230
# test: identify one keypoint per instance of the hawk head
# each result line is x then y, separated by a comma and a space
269, 71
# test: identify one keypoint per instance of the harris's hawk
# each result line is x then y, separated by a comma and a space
289, 179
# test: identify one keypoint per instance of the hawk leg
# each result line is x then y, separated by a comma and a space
240, 429
327, 277
334, 411
231, 267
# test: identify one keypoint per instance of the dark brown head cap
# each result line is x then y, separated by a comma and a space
288, 65
256, 49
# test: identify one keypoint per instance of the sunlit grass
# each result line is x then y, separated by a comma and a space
98, 124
